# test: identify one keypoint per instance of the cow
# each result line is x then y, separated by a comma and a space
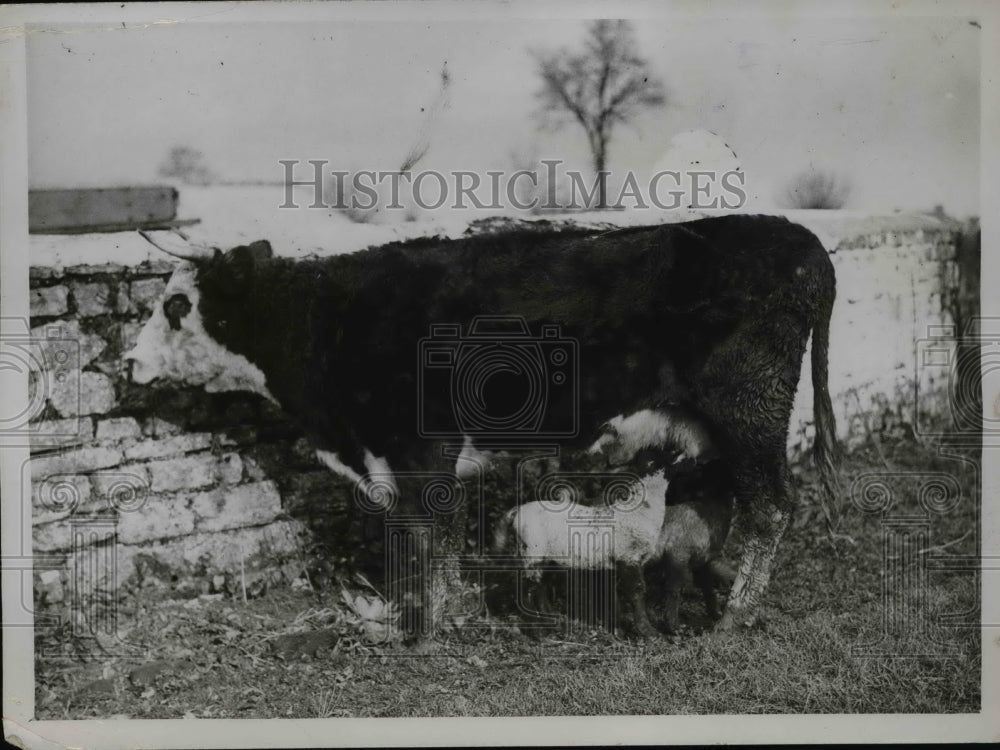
384, 355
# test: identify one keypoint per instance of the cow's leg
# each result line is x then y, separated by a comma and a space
426, 535
632, 589
754, 573
746, 389
764, 504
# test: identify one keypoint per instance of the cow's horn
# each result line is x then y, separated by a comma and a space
185, 251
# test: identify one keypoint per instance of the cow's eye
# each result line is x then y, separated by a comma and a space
176, 308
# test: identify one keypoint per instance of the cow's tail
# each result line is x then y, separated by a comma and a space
825, 450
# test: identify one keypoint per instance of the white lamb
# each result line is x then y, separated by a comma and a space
620, 536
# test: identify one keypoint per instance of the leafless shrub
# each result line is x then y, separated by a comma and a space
816, 188
187, 165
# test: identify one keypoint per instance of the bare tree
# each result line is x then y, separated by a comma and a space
815, 188
187, 165
605, 84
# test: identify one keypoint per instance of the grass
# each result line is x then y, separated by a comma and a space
301, 654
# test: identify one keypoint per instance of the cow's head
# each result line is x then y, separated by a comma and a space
201, 324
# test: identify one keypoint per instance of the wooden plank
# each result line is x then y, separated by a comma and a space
87, 209
104, 228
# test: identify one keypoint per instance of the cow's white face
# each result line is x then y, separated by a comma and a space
174, 346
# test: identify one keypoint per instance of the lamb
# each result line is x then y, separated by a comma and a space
568, 534
686, 539
690, 542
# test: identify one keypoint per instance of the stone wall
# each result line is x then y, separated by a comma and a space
196, 487
208, 493
897, 281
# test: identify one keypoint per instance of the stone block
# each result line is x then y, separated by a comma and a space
148, 267
43, 273
231, 468
252, 504
93, 573
160, 428
212, 553
59, 496
254, 546
143, 294
58, 536
122, 301
125, 489
90, 269
177, 445
189, 472
61, 433
78, 461
73, 393
48, 300
160, 517
91, 298
118, 428
63, 344
49, 586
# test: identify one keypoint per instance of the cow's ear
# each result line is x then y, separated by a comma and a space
247, 257
260, 250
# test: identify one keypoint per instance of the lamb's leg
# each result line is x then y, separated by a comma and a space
542, 601
722, 573
677, 576
710, 577
704, 580
633, 587
533, 601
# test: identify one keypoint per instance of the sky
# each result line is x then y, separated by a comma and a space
890, 104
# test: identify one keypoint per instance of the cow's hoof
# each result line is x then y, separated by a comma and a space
646, 633
732, 621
